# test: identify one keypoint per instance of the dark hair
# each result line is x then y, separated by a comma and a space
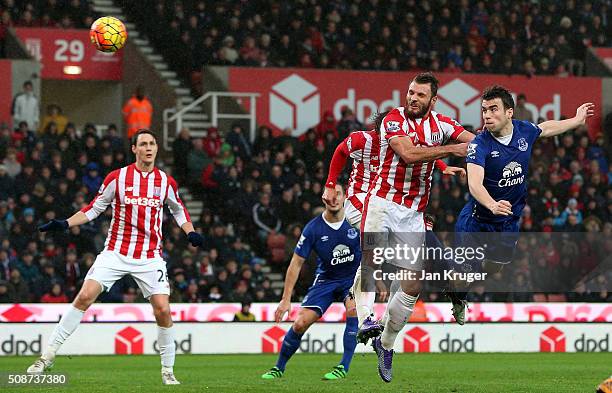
27, 83
497, 91
378, 119
141, 132
428, 78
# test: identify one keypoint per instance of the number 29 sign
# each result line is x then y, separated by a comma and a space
68, 54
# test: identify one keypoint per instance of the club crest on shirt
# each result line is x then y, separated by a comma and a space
471, 150
352, 233
301, 241
522, 144
157, 191
393, 126
436, 137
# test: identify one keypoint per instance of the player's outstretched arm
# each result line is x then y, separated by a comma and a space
411, 154
105, 196
478, 191
556, 127
293, 272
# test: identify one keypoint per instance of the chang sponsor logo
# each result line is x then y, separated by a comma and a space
342, 254
512, 174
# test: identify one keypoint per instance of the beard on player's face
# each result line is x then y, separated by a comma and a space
415, 109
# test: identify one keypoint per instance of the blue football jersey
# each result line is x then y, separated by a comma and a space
338, 251
506, 168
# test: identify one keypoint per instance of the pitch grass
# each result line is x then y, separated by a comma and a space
469, 373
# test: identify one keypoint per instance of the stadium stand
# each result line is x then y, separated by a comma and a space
504, 37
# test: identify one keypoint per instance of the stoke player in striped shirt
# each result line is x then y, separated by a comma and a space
412, 137
137, 194
364, 148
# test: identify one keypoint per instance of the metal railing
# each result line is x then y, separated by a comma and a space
175, 115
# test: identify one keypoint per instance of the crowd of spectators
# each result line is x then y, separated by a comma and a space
505, 37
64, 14
257, 198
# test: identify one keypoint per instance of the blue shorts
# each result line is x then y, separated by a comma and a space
500, 238
324, 292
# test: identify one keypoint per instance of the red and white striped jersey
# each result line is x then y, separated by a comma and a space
410, 184
363, 148
137, 199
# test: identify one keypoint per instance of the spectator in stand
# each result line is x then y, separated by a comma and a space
54, 114
265, 218
348, 123
197, 160
5, 297
56, 295
26, 108
92, 180
239, 142
245, 314
137, 112
18, 289
5, 265
181, 147
11, 163
520, 110
327, 125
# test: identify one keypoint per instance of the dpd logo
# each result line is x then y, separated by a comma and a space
129, 341
416, 340
295, 103
272, 340
552, 340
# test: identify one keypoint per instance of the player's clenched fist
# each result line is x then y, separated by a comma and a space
283, 307
329, 195
501, 208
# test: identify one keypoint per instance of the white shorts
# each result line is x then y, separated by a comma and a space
388, 224
352, 212
150, 274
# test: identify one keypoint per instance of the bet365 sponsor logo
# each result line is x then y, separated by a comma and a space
555, 340
142, 201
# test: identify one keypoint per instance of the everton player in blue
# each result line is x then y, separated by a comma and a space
337, 246
498, 166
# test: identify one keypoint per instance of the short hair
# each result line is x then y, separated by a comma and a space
428, 78
28, 83
378, 119
141, 132
497, 91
